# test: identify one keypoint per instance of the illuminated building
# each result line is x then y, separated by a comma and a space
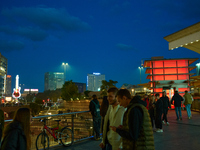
53, 80
3, 73
8, 85
169, 74
94, 81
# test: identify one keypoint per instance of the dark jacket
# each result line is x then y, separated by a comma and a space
15, 138
159, 106
135, 120
165, 101
177, 100
92, 106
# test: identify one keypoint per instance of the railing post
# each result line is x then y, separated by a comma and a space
73, 123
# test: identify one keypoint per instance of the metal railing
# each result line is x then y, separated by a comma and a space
196, 104
81, 123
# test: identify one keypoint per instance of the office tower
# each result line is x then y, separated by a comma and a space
8, 85
3, 73
94, 81
53, 80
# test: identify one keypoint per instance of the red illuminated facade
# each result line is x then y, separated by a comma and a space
169, 74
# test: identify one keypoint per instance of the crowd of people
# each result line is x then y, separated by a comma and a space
128, 122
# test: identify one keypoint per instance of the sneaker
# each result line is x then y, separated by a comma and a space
180, 118
159, 130
167, 123
189, 117
163, 122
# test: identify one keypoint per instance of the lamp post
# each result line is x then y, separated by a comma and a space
140, 74
64, 65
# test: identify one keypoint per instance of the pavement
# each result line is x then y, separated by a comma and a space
179, 135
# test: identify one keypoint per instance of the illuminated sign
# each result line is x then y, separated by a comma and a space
34, 90
8, 76
97, 74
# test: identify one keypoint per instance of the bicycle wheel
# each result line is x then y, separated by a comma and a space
42, 141
66, 137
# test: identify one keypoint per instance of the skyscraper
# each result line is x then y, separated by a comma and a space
94, 81
3, 73
53, 80
8, 85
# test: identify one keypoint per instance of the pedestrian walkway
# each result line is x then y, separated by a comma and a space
179, 135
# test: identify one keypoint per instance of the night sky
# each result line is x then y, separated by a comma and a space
106, 36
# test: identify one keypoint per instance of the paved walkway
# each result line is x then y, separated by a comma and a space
179, 135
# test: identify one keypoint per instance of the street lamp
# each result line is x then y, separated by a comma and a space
64, 64
140, 73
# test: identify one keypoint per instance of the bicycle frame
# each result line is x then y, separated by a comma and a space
51, 130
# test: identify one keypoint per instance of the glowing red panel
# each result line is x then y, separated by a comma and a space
183, 89
182, 70
171, 71
182, 63
170, 77
157, 64
156, 78
158, 71
158, 90
170, 63
183, 77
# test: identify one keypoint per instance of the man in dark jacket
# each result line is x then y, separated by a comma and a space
177, 103
136, 131
159, 111
94, 108
166, 105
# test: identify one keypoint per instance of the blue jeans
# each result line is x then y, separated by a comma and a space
178, 112
188, 109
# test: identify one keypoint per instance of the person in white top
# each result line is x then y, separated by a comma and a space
114, 117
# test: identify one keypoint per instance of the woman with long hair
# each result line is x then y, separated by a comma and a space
152, 102
17, 133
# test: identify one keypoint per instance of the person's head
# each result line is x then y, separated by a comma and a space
112, 96
23, 116
94, 96
152, 98
186, 91
145, 96
123, 97
163, 93
176, 92
157, 96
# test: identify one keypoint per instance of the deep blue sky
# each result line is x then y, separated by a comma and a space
106, 36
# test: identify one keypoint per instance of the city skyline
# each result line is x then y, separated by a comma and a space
112, 37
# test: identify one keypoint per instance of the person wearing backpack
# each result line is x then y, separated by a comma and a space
95, 111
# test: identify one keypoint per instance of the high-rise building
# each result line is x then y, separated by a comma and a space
8, 85
3, 73
94, 81
53, 80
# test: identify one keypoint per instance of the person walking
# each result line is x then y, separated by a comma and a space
114, 117
166, 105
188, 99
94, 108
16, 135
152, 110
159, 111
177, 103
136, 131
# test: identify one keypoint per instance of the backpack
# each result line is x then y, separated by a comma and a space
97, 109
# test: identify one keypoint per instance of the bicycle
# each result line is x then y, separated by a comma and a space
66, 136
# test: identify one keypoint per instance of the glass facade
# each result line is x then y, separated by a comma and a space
3, 73
94, 81
53, 80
